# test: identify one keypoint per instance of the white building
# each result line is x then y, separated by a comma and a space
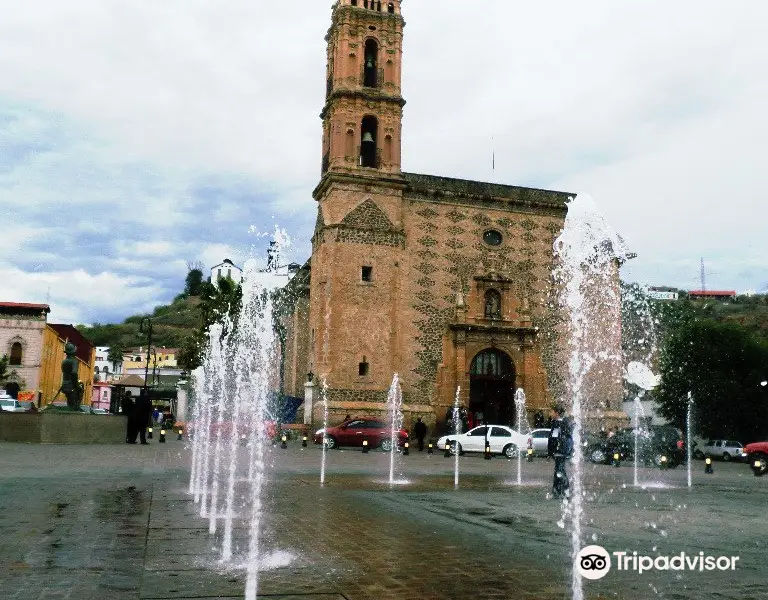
226, 270
105, 369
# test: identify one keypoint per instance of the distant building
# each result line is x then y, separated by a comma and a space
101, 396
21, 338
104, 369
713, 294
226, 270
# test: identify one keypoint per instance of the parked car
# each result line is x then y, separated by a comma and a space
502, 439
538, 440
757, 457
653, 443
9, 404
725, 449
354, 431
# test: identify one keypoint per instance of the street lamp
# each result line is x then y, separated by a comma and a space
764, 383
148, 328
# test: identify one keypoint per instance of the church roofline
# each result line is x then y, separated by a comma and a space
482, 190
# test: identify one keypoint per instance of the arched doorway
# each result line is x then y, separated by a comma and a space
492, 388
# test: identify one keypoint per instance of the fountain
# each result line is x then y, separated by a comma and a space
232, 389
640, 375
688, 438
456, 431
587, 251
520, 403
324, 393
395, 410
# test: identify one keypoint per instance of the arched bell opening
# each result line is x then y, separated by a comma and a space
371, 64
369, 131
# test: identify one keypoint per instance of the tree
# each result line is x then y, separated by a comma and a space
722, 365
216, 303
3, 367
193, 283
115, 354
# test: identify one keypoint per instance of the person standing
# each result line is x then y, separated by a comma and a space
560, 447
420, 430
143, 415
129, 410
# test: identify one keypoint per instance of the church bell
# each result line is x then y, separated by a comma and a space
367, 138
369, 63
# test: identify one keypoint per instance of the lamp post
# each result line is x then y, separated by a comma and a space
148, 328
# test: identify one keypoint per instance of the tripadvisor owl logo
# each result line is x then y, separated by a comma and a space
593, 562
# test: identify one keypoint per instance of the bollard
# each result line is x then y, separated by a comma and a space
181, 433
487, 452
365, 446
162, 436
447, 449
664, 464
304, 441
429, 448
284, 441
529, 458
149, 433
616, 459
708, 468
405, 449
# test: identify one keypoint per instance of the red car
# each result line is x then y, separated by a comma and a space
353, 432
757, 457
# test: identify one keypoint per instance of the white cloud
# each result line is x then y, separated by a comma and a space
120, 111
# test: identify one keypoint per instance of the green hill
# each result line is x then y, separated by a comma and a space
172, 325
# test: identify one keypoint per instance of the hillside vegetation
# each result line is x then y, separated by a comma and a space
172, 324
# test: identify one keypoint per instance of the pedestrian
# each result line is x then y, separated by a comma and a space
143, 415
420, 430
463, 419
129, 410
560, 447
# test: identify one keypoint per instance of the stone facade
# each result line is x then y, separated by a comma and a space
446, 282
23, 324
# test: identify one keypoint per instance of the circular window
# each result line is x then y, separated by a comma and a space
492, 237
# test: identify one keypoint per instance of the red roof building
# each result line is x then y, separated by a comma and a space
713, 294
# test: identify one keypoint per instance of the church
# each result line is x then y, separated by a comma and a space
443, 281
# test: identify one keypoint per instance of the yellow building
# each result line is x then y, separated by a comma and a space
159, 358
55, 338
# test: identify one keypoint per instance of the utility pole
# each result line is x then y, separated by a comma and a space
703, 277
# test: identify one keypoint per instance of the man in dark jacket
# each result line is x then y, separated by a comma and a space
420, 431
143, 415
560, 447
129, 410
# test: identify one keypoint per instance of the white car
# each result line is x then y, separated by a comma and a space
8, 404
725, 449
502, 439
540, 441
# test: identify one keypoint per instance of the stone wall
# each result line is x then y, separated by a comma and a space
58, 428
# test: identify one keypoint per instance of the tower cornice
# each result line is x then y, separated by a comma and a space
364, 177
371, 94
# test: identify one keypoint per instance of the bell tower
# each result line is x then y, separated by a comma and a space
363, 108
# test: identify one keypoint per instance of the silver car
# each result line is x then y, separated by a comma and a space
725, 449
539, 441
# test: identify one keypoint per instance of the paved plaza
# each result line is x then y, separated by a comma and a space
116, 522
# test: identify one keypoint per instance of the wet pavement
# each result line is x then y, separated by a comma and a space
111, 522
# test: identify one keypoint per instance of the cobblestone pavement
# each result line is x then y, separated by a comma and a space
112, 522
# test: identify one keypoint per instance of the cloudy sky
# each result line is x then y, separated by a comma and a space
138, 135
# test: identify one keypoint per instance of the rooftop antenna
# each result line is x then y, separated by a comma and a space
493, 155
48, 295
703, 277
